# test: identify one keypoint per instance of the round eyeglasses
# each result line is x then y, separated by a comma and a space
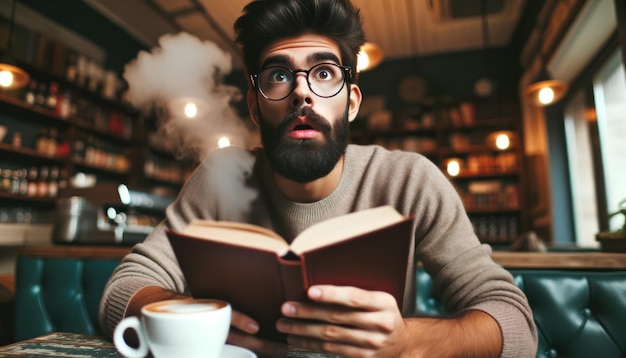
278, 82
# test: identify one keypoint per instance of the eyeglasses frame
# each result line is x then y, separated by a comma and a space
346, 72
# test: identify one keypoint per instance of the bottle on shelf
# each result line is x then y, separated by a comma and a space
71, 67
23, 189
64, 104
5, 180
42, 182
63, 147
63, 179
52, 142
43, 141
33, 186
31, 90
40, 95
16, 140
81, 70
52, 96
53, 182
79, 146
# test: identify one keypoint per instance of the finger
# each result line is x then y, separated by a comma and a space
243, 322
351, 297
381, 321
323, 332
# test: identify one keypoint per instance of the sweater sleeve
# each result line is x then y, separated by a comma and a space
463, 271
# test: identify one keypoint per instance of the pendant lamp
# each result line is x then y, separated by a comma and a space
545, 90
11, 75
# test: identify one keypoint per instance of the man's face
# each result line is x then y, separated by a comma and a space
304, 134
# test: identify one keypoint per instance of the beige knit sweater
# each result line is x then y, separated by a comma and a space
237, 185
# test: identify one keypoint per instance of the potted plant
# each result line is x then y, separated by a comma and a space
614, 240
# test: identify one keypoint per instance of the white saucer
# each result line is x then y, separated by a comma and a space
230, 351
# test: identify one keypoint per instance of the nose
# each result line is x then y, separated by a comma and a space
301, 94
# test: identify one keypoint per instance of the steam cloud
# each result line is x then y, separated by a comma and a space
185, 67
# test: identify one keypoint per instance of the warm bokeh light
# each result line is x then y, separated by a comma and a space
362, 61
6, 78
369, 57
453, 167
546, 95
191, 110
503, 141
223, 142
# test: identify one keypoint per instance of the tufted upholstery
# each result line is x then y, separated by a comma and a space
59, 294
577, 313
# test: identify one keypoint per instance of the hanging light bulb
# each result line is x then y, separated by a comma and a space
546, 90
369, 57
223, 142
11, 75
188, 107
191, 110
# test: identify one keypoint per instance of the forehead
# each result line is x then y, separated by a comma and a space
299, 48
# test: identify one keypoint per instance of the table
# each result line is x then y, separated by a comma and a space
73, 345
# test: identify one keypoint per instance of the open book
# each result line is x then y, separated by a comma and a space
256, 270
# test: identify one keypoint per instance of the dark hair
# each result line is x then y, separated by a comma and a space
266, 21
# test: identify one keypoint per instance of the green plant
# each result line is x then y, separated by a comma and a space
622, 210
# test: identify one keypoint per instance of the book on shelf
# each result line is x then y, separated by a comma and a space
256, 270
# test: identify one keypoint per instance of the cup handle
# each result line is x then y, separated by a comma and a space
118, 338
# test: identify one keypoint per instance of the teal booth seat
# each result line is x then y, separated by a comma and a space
579, 313
59, 294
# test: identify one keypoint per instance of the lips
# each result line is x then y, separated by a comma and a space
303, 128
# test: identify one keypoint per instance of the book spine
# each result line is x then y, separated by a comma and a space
292, 279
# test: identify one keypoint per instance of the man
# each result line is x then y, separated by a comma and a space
301, 58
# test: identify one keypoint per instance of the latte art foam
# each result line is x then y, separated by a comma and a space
184, 307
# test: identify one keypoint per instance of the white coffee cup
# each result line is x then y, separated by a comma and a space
177, 328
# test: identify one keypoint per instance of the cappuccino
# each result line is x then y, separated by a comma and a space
177, 328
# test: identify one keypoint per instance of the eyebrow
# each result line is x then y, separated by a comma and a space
283, 60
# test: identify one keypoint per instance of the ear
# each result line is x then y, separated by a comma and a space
355, 102
253, 107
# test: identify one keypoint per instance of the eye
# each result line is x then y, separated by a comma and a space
325, 72
278, 75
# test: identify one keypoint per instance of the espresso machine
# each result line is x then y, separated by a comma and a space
107, 214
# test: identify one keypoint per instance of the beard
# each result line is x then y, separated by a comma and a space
304, 160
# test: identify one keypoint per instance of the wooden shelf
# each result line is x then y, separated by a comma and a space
29, 153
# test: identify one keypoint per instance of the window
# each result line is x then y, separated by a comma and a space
578, 124
610, 97
596, 143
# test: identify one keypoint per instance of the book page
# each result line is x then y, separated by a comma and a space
239, 234
346, 226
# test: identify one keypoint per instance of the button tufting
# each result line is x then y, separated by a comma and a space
552, 353
586, 312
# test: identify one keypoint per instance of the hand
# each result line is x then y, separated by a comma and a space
243, 335
347, 321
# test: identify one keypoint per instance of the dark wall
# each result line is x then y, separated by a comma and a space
79, 17
452, 74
